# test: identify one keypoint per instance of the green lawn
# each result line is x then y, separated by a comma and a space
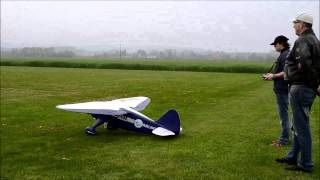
228, 120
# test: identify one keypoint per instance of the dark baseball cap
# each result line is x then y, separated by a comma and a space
280, 39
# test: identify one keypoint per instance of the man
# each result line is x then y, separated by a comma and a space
280, 88
303, 72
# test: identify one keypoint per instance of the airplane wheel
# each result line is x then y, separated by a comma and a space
105, 125
109, 125
90, 131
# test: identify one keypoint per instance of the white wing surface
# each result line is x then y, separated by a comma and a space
136, 103
108, 107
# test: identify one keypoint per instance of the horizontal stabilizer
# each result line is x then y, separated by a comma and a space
162, 132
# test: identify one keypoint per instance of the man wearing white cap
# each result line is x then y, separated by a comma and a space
302, 69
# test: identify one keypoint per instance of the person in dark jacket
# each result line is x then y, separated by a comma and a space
280, 88
302, 69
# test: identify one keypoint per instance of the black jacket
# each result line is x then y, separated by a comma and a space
280, 85
306, 52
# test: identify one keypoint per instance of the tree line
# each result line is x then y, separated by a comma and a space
167, 54
36, 52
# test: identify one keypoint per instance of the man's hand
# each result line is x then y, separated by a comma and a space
269, 77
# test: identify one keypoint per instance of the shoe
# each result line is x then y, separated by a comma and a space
277, 144
298, 169
287, 161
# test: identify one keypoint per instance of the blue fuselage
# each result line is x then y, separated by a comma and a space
129, 121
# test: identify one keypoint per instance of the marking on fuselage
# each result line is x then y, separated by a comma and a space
138, 123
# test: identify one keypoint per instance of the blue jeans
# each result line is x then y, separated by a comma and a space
301, 99
282, 106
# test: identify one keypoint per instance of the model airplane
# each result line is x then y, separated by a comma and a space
124, 113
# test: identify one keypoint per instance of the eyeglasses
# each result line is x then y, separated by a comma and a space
296, 21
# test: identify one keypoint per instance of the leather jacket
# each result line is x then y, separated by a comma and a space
303, 62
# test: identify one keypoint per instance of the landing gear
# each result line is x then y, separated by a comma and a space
91, 130
108, 122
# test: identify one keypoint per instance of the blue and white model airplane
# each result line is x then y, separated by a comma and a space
124, 113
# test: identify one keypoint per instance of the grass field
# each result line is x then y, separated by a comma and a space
228, 120
163, 65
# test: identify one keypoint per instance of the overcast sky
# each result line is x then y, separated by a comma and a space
208, 25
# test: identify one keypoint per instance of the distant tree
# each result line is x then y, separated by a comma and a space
141, 53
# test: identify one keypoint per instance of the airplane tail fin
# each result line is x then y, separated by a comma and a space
170, 121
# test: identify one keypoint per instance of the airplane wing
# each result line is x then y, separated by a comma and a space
136, 103
105, 108
114, 107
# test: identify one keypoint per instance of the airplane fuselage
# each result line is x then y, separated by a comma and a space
128, 121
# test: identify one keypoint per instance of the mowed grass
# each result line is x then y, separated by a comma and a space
228, 120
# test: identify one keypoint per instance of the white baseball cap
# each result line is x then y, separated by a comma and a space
304, 17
